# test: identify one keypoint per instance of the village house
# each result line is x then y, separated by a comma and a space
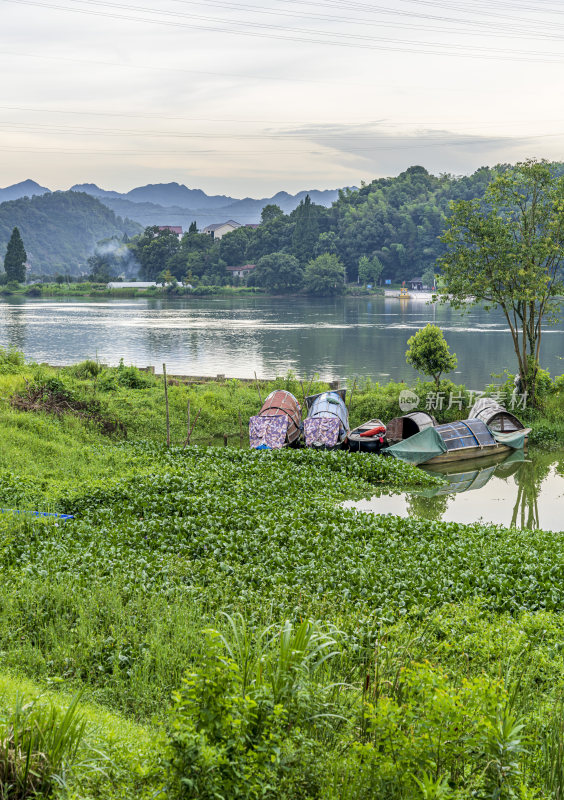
177, 229
241, 272
219, 229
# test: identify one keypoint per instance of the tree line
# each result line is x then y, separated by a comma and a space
389, 229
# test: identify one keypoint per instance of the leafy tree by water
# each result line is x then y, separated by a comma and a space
428, 353
278, 272
369, 269
154, 249
325, 275
15, 258
507, 250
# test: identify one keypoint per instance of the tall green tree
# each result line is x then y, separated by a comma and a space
270, 212
428, 353
325, 275
306, 231
278, 272
15, 258
506, 251
369, 269
156, 250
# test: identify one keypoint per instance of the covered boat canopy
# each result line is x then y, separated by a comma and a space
464, 439
400, 428
278, 423
327, 423
495, 416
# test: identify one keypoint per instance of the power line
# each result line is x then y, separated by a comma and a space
345, 40
247, 120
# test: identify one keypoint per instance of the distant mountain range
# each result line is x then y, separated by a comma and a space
175, 204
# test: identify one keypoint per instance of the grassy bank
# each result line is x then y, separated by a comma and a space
89, 289
236, 633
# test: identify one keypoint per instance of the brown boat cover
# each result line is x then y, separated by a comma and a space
282, 402
400, 428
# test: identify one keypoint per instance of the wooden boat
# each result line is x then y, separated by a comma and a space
368, 437
400, 428
278, 423
457, 441
327, 423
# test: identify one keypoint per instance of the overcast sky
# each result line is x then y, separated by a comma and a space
247, 97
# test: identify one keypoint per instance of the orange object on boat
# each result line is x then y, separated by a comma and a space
374, 431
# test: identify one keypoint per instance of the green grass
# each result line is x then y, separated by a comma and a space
427, 627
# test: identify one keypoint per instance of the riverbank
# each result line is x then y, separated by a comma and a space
89, 289
229, 623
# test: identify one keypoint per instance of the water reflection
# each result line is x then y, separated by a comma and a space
16, 327
236, 336
524, 492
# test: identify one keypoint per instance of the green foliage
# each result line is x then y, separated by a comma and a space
345, 655
507, 250
38, 745
15, 258
61, 229
306, 230
428, 353
155, 250
425, 724
224, 743
324, 275
278, 272
369, 269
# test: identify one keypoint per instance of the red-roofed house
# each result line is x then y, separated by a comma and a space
177, 229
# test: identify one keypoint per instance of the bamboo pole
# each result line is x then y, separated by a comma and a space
166, 405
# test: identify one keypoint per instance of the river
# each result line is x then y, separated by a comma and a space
236, 336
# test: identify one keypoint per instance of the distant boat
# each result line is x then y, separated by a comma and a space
278, 424
327, 423
409, 294
368, 437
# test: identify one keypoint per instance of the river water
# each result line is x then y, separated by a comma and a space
521, 491
236, 336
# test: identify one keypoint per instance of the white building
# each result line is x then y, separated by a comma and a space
219, 229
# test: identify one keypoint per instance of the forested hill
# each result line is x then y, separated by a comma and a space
394, 223
60, 229
399, 220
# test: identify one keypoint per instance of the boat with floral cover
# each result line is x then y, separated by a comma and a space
279, 422
327, 423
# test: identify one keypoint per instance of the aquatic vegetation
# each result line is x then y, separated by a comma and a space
272, 643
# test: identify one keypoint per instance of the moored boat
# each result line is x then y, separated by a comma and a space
278, 423
496, 417
400, 428
368, 437
327, 423
457, 441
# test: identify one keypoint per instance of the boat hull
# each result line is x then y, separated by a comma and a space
470, 454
